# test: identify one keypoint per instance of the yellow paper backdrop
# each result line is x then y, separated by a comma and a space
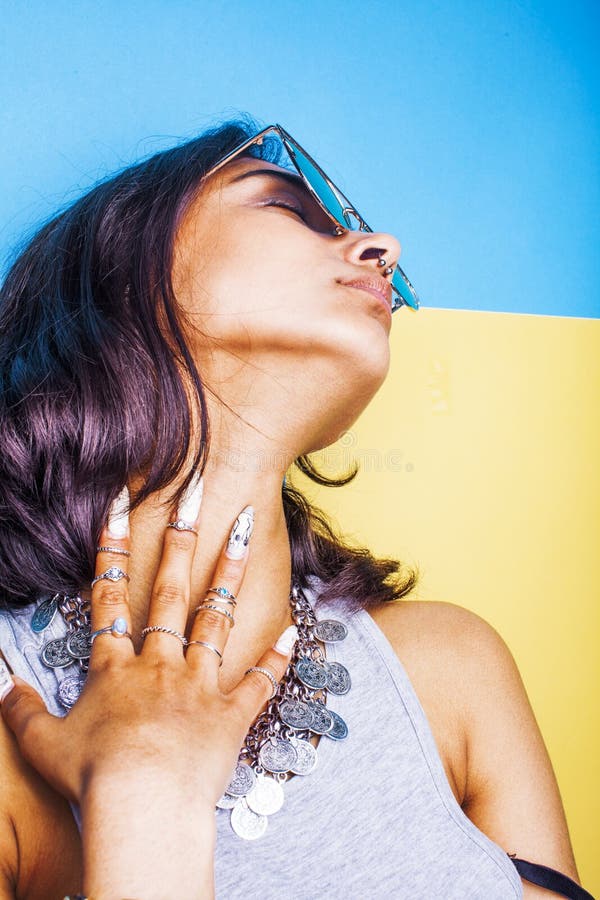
480, 463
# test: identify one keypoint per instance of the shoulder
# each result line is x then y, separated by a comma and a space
458, 650
441, 646
465, 674
407, 618
454, 658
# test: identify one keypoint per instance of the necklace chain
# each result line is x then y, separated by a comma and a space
75, 611
268, 724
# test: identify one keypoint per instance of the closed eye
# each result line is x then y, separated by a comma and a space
280, 203
304, 206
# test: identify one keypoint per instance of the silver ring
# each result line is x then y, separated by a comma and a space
112, 574
222, 592
117, 629
210, 647
269, 675
232, 603
113, 550
216, 609
388, 271
381, 262
180, 525
149, 629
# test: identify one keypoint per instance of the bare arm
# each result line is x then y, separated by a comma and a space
162, 843
511, 792
485, 729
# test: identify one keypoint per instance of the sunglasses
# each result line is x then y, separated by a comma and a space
331, 200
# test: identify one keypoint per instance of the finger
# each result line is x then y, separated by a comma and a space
26, 715
110, 594
212, 626
170, 598
256, 688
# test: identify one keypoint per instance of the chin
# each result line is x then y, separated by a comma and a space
350, 383
360, 340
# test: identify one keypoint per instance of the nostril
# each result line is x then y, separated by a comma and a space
372, 253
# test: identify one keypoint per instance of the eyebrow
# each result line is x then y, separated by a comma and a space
296, 180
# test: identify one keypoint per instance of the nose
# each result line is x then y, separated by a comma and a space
374, 250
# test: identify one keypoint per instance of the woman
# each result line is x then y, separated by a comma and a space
216, 310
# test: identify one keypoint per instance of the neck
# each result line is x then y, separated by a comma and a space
263, 608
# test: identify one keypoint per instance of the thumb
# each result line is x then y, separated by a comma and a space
26, 715
256, 687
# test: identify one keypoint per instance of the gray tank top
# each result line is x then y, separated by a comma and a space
376, 817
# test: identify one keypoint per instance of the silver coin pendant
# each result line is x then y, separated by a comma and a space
311, 673
339, 730
322, 719
338, 679
226, 801
277, 755
78, 643
266, 797
330, 630
55, 654
296, 714
246, 823
69, 690
242, 780
307, 756
44, 614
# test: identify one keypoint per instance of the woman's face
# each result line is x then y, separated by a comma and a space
260, 273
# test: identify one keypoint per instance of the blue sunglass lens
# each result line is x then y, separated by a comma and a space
401, 283
341, 210
328, 197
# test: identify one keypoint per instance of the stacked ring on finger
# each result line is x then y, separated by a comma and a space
223, 592
119, 550
269, 675
114, 573
231, 603
149, 629
216, 609
210, 647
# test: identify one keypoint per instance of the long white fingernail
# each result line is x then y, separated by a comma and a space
189, 505
287, 640
118, 515
6, 682
240, 534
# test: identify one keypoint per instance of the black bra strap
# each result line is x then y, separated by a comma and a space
550, 878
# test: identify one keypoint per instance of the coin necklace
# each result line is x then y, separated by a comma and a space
73, 648
278, 743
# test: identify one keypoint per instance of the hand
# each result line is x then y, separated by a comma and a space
154, 729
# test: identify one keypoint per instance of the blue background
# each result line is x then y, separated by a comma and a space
469, 128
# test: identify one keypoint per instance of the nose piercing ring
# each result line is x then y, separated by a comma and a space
388, 271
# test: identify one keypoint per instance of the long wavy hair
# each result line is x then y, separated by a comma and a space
92, 358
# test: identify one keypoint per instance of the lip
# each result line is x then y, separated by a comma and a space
377, 287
